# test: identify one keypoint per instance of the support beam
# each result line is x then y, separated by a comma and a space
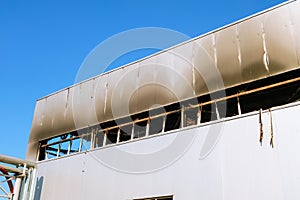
15, 161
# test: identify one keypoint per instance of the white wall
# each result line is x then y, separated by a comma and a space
238, 167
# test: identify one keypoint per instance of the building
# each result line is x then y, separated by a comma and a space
215, 117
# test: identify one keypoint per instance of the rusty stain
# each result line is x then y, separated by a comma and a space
271, 129
261, 136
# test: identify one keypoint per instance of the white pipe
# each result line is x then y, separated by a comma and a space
17, 188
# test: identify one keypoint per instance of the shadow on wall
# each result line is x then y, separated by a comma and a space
38, 188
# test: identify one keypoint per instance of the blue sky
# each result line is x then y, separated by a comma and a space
43, 44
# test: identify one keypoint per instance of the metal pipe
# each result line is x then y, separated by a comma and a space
11, 169
17, 188
15, 161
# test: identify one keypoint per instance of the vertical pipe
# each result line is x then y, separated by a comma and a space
17, 188
32, 184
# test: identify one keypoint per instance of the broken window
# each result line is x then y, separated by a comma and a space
111, 135
125, 133
173, 121
262, 94
52, 151
140, 129
156, 125
191, 116
98, 138
86, 141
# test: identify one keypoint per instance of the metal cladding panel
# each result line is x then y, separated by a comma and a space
144, 94
295, 26
227, 52
63, 179
248, 50
280, 43
183, 80
83, 102
203, 65
205, 62
252, 50
101, 96
161, 165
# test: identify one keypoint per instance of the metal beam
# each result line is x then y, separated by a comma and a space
12, 169
15, 161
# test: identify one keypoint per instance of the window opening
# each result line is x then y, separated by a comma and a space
156, 125
51, 151
111, 135
191, 116
98, 138
64, 148
86, 141
125, 133
140, 128
173, 120
75, 144
238, 100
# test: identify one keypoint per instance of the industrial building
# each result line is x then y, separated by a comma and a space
215, 117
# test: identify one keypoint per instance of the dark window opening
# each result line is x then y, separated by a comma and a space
99, 138
111, 136
270, 98
191, 116
207, 114
125, 133
140, 129
173, 121
156, 125
241, 99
